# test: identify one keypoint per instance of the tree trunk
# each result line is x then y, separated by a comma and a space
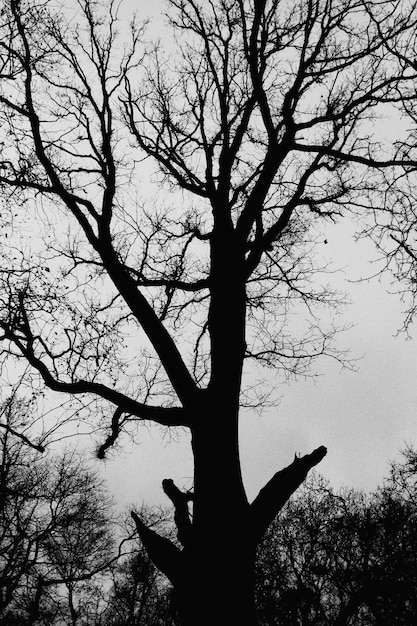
218, 581
214, 573
218, 589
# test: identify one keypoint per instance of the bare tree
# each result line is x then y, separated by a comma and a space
55, 530
258, 126
393, 227
140, 595
343, 557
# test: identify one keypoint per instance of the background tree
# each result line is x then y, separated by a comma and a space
311, 556
140, 595
55, 530
342, 557
258, 124
393, 227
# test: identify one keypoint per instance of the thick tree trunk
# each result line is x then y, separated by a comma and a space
213, 574
219, 589
219, 559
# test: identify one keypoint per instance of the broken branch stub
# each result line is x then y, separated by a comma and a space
279, 489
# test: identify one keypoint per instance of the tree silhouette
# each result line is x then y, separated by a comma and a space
140, 595
257, 124
343, 557
55, 529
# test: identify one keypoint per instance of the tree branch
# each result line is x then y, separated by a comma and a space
164, 554
355, 158
166, 416
405, 247
180, 501
279, 489
160, 338
36, 446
